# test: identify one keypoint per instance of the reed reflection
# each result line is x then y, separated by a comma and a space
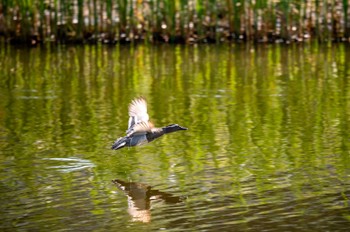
140, 197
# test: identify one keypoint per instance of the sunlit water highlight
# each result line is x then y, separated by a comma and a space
267, 147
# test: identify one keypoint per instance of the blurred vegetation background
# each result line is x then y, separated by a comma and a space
173, 21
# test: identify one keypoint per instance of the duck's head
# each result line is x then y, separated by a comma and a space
173, 127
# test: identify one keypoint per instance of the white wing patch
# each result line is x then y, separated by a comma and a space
121, 145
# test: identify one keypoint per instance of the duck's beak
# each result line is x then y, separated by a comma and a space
183, 128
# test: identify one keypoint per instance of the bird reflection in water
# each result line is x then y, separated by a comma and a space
140, 197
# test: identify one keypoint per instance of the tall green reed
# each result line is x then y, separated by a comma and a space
174, 21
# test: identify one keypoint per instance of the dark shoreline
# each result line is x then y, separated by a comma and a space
173, 22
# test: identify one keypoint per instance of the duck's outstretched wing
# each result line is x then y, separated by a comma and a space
137, 112
141, 128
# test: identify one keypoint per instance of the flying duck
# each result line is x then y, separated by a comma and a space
140, 129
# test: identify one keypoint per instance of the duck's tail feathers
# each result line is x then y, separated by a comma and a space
119, 143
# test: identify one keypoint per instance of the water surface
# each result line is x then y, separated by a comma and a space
267, 147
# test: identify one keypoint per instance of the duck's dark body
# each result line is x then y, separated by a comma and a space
136, 140
140, 130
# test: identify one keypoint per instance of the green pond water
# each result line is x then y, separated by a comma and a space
267, 147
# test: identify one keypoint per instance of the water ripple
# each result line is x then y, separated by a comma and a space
70, 164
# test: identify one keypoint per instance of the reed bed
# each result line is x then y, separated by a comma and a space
174, 21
